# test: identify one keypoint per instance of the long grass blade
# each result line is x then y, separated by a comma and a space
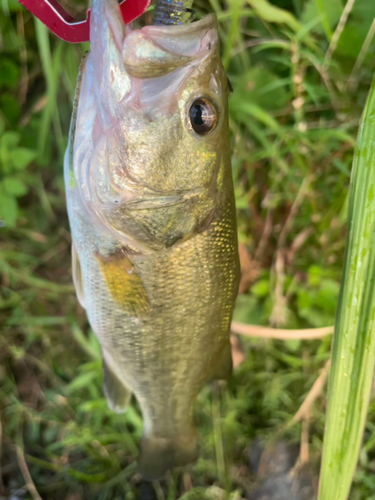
353, 352
51, 64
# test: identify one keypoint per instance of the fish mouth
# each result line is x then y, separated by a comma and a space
161, 201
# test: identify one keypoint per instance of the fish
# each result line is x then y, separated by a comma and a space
152, 215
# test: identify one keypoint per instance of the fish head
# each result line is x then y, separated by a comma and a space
156, 124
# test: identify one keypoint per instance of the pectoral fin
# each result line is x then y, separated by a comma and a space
117, 394
77, 277
124, 284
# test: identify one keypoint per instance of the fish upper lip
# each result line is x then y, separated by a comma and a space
161, 201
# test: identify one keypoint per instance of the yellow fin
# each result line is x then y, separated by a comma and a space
123, 282
77, 277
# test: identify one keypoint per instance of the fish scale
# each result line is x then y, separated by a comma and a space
152, 215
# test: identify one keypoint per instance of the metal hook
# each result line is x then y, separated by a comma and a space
62, 24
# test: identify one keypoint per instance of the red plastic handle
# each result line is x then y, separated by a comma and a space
51, 13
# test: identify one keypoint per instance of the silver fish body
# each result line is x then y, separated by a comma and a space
152, 216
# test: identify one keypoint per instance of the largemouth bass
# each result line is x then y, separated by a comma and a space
152, 215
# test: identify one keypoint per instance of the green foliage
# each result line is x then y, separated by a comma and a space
327, 13
294, 117
14, 159
353, 354
271, 14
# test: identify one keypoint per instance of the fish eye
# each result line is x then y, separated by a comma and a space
203, 116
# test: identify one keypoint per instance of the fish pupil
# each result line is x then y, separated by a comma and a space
203, 116
197, 115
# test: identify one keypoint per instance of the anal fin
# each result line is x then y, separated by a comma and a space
116, 392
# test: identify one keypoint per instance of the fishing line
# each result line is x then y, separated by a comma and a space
173, 12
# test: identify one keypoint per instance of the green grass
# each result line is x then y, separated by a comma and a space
353, 347
294, 118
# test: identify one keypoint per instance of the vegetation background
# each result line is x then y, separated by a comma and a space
301, 70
